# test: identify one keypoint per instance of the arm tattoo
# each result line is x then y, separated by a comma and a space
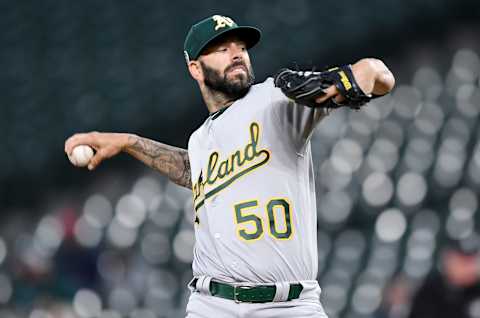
168, 160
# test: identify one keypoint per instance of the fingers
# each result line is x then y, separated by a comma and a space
329, 93
97, 159
339, 98
80, 139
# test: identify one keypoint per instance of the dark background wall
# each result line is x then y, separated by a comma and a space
118, 66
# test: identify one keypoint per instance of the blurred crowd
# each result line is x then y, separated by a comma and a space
397, 190
112, 256
397, 182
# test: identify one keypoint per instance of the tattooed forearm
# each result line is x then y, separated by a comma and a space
183, 175
168, 160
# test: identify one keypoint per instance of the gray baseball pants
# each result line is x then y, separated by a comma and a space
203, 305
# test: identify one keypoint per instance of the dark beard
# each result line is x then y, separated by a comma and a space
231, 90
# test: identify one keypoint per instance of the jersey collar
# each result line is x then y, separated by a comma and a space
217, 113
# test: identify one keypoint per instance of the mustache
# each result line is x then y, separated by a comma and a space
235, 64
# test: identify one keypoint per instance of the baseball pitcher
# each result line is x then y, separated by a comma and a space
249, 166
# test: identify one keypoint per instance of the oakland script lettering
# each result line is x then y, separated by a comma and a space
231, 168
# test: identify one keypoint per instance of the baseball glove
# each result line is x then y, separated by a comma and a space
304, 87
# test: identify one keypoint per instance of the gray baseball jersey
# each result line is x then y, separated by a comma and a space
253, 190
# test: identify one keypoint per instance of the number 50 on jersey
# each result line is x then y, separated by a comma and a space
253, 220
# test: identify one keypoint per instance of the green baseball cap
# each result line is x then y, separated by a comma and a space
207, 30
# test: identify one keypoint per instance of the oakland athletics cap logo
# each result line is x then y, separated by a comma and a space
222, 21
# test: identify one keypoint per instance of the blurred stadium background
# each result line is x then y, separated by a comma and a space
394, 181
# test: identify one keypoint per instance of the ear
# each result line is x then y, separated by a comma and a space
195, 70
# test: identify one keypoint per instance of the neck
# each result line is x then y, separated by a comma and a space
214, 99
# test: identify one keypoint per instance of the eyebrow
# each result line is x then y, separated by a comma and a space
221, 41
228, 38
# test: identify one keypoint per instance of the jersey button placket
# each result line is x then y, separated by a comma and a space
213, 201
211, 148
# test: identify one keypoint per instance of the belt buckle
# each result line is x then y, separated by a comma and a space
235, 293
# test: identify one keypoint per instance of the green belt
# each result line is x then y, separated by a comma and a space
249, 294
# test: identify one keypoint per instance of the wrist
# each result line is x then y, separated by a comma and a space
384, 80
128, 140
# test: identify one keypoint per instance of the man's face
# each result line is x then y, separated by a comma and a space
226, 67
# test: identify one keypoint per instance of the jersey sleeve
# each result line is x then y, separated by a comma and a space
297, 120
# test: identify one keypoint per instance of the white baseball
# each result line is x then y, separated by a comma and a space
81, 155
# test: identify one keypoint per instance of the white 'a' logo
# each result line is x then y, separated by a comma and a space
222, 21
